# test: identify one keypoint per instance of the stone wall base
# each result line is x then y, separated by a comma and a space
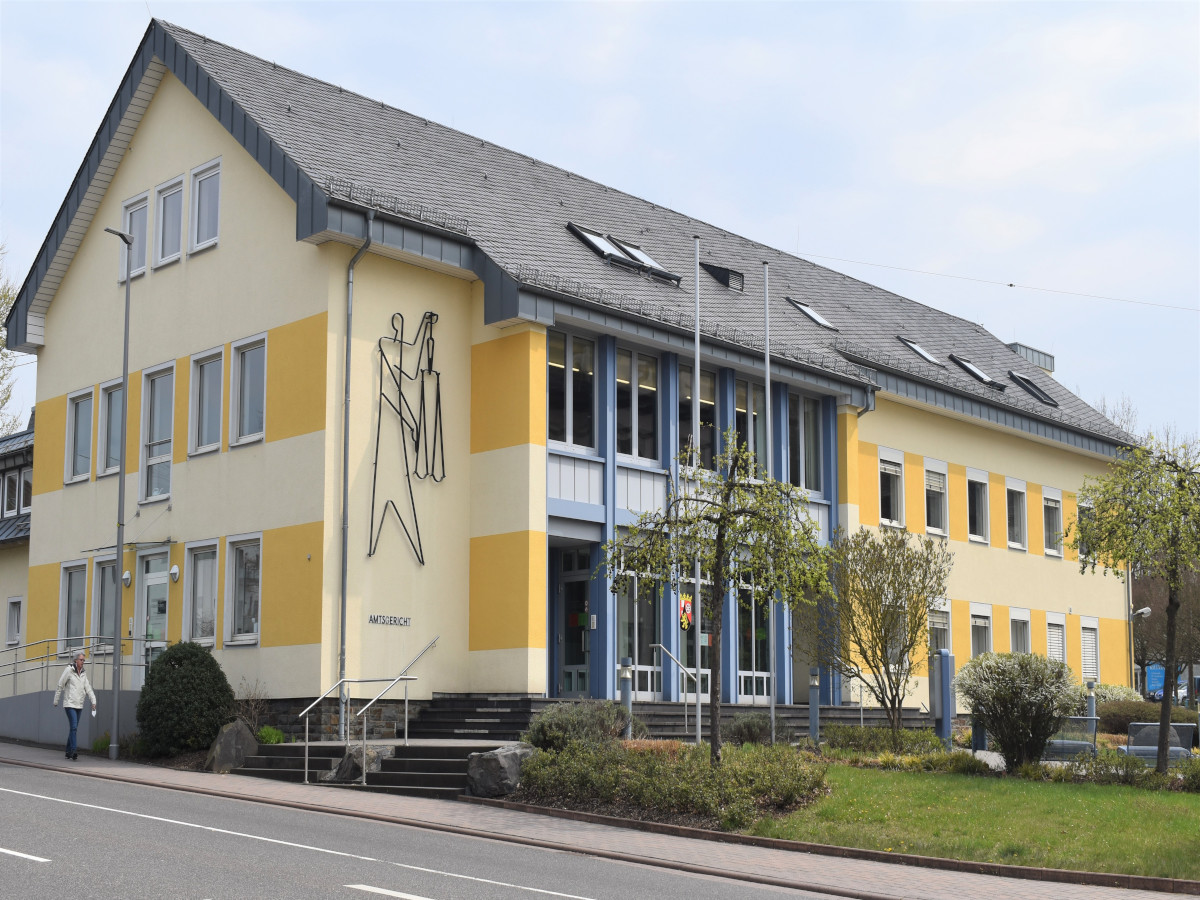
385, 720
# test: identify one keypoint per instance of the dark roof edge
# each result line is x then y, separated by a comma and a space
311, 201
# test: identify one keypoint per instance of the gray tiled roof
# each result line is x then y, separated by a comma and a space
14, 443
14, 529
516, 209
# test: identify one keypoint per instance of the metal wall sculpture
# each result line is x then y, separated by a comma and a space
411, 388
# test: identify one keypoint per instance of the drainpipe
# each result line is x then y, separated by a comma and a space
342, 698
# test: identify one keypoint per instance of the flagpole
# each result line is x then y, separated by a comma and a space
770, 472
697, 618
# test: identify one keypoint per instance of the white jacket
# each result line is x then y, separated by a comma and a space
77, 685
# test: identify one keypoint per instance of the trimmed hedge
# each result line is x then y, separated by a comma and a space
666, 780
184, 702
1116, 716
879, 739
1105, 693
750, 728
585, 721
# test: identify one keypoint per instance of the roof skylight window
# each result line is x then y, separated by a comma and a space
620, 252
919, 350
977, 373
811, 313
1032, 388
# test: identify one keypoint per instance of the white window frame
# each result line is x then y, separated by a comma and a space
73, 565
1052, 495
130, 206
13, 637
26, 506
14, 476
1059, 619
69, 476
635, 356
236, 438
197, 175
1017, 614
979, 476
1016, 485
232, 542
569, 392
144, 431
195, 448
939, 467
983, 611
189, 583
98, 562
942, 605
896, 457
1089, 623
102, 428
175, 185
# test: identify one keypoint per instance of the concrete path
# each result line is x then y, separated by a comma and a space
864, 879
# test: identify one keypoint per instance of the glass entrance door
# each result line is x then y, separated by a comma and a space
153, 577
574, 635
754, 650
687, 640
638, 630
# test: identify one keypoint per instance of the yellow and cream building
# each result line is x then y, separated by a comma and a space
517, 341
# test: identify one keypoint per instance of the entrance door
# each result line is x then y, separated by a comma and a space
574, 622
152, 598
638, 630
687, 642
754, 649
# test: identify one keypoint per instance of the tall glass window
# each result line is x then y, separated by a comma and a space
250, 390
812, 443
638, 630
981, 635
571, 389
754, 646
1019, 635
750, 420
111, 415
1016, 519
81, 436
935, 502
245, 590
708, 413
977, 509
1052, 518
106, 595
637, 404
74, 601
891, 495
208, 404
160, 397
939, 630
203, 594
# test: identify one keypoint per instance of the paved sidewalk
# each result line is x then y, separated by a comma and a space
844, 877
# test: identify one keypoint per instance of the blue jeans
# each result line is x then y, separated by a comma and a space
73, 719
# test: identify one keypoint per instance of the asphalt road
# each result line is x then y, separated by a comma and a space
64, 836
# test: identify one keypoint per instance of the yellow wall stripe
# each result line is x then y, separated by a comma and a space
914, 493
508, 591
291, 585
868, 483
508, 392
296, 387
49, 445
1035, 533
956, 499
998, 510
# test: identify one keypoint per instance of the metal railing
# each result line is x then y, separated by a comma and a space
689, 674
60, 650
392, 682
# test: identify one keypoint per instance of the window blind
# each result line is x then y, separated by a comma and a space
1055, 646
935, 481
887, 467
1091, 655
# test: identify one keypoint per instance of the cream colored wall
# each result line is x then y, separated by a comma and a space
257, 279
14, 582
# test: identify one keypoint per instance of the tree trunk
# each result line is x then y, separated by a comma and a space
1170, 678
714, 678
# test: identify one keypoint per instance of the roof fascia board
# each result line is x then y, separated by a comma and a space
416, 241
550, 311
972, 408
112, 138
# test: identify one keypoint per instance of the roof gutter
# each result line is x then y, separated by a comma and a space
342, 698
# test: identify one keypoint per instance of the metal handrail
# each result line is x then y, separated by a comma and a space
689, 674
309, 708
92, 645
402, 676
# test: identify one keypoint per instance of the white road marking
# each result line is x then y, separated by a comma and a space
23, 855
267, 840
385, 893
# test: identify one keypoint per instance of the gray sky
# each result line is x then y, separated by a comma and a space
1048, 145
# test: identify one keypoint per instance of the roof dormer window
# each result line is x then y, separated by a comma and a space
975, 372
919, 350
623, 253
1031, 388
811, 313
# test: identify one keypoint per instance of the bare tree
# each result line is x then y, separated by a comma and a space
10, 419
876, 619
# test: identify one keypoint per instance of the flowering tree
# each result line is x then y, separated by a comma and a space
746, 529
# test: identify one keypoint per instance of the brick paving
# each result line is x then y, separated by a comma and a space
846, 877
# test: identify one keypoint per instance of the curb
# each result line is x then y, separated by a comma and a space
1003, 870
675, 865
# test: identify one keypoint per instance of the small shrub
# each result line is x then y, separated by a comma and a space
586, 721
251, 703
749, 728
1034, 771
1110, 767
184, 702
100, 744
1189, 775
877, 739
672, 780
1020, 698
1105, 693
957, 763
1116, 715
132, 745
269, 735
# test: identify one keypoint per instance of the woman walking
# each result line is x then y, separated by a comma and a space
75, 681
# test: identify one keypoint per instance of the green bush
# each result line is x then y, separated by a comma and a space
957, 763
1111, 767
586, 721
100, 744
184, 702
268, 734
673, 780
749, 728
879, 739
1020, 698
1189, 775
1116, 715
1105, 693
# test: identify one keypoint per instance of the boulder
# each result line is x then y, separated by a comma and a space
234, 743
496, 772
350, 769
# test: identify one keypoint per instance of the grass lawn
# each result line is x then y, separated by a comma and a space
1099, 828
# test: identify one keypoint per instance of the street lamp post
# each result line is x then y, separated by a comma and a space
118, 568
